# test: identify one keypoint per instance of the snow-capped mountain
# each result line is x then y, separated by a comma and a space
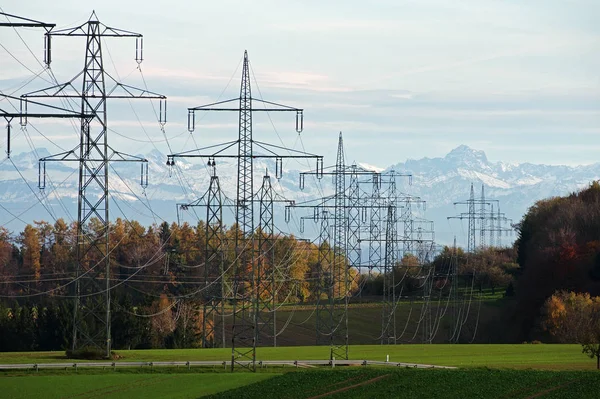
439, 181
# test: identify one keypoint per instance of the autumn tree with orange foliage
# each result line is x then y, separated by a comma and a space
575, 318
31, 251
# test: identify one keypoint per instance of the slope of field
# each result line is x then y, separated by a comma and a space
411, 383
296, 324
124, 386
543, 356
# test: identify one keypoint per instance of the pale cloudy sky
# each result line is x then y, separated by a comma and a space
402, 79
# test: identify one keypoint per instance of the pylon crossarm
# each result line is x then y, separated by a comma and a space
213, 106
63, 156
292, 153
104, 30
122, 90
25, 112
311, 203
201, 202
22, 22
280, 107
24, 116
197, 153
209, 107
123, 157
62, 90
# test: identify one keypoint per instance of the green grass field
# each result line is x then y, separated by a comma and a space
364, 322
520, 356
124, 385
415, 384
341, 382
503, 371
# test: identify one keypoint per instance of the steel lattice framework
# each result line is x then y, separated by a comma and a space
375, 225
338, 252
92, 317
244, 291
213, 323
266, 270
362, 216
388, 317
482, 218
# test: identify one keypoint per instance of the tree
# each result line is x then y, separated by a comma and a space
188, 325
127, 329
31, 251
575, 318
54, 323
163, 322
558, 249
61, 250
6, 255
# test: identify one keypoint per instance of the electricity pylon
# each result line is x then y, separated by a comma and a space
497, 225
338, 252
244, 297
92, 316
213, 312
343, 217
481, 212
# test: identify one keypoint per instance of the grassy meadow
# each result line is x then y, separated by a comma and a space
518, 356
491, 371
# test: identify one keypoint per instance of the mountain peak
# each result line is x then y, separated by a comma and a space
464, 153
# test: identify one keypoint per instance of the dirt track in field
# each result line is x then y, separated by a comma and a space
372, 380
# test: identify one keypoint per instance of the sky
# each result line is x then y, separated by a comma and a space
402, 79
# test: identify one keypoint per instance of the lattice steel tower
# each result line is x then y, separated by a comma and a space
213, 322
92, 317
244, 291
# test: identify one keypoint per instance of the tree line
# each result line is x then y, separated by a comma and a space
158, 274
558, 249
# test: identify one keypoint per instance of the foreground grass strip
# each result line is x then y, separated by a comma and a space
417, 384
124, 386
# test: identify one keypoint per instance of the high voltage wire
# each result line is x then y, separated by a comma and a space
185, 186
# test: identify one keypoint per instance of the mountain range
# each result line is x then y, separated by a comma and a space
439, 181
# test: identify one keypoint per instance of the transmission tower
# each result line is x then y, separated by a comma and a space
456, 312
424, 252
375, 225
91, 322
356, 217
472, 216
388, 317
213, 313
333, 279
498, 223
267, 272
471, 204
354, 206
341, 278
245, 298
338, 252
482, 218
